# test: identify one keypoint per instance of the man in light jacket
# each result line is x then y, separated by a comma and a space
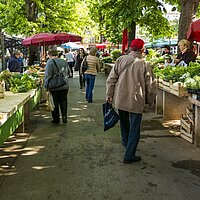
130, 85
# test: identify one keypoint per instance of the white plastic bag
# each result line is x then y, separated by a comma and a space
50, 102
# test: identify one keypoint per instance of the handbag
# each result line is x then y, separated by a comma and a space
84, 65
57, 80
110, 116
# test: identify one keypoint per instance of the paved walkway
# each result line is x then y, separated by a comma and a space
78, 161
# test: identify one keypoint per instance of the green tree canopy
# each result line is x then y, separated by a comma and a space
114, 16
33, 16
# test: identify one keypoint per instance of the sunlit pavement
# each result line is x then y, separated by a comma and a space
78, 161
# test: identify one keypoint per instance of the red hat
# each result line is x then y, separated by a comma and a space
137, 43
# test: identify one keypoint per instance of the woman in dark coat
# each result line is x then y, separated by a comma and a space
79, 58
186, 54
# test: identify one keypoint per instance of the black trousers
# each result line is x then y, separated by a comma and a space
81, 79
71, 65
60, 101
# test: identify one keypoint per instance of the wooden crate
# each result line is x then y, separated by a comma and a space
190, 115
178, 90
166, 85
187, 129
159, 82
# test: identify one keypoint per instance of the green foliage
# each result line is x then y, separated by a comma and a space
107, 59
114, 16
178, 73
116, 54
22, 83
34, 16
17, 82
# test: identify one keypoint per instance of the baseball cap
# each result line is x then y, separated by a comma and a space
137, 43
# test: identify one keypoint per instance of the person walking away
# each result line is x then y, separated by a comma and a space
59, 94
90, 73
79, 59
129, 86
70, 60
13, 63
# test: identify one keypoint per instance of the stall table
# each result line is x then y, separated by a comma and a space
107, 67
15, 109
174, 107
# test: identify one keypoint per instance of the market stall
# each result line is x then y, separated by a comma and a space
15, 110
177, 90
19, 95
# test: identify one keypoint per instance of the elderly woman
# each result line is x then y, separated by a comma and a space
186, 54
59, 94
90, 73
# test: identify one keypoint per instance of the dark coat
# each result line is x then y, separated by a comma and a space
79, 60
188, 56
14, 65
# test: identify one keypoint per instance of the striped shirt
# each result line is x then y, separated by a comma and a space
93, 65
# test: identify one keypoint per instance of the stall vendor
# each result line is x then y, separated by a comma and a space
186, 54
13, 63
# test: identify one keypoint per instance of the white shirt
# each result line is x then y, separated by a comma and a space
69, 57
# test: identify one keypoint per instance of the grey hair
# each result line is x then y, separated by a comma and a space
93, 51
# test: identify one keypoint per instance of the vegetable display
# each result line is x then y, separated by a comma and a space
17, 82
189, 76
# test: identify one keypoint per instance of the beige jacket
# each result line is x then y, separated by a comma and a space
133, 87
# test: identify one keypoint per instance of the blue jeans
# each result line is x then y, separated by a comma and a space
130, 132
90, 80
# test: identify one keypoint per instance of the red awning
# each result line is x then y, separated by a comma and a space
101, 46
41, 39
193, 33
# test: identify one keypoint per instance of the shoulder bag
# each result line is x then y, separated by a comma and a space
84, 65
57, 80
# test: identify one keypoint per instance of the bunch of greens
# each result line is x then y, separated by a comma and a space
192, 83
116, 54
178, 73
22, 83
107, 59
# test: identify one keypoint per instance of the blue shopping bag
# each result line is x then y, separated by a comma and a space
110, 116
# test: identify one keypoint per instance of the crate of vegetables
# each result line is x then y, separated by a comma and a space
163, 84
159, 82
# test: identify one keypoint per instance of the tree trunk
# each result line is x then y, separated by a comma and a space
31, 14
131, 33
188, 12
31, 10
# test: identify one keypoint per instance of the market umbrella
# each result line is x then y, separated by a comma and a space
193, 33
71, 45
42, 39
60, 38
101, 46
38, 39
